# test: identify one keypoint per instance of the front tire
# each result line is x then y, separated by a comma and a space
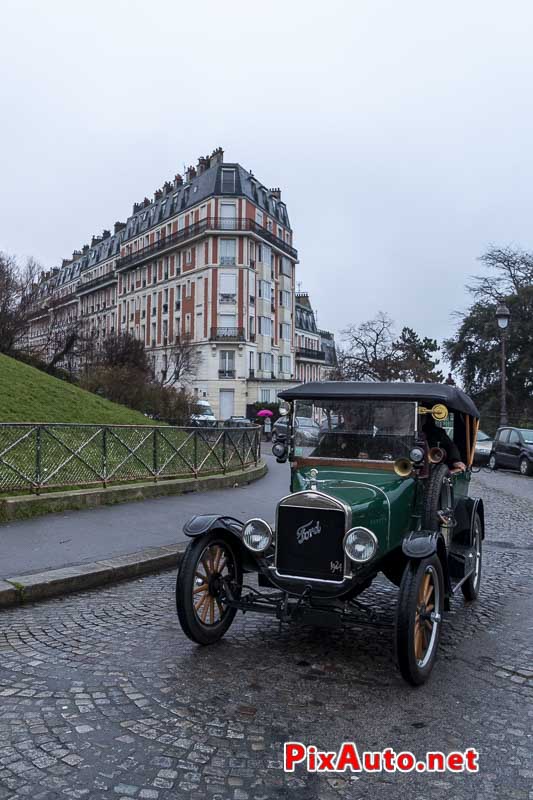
208, 562
492, 462
419, 618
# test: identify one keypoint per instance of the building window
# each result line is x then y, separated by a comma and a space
286, 266
228, 249
285, 331
228, 287
226, 368
265, 361
285, 299
265, 326
265, 290
259, 217
228, 181
188, 256
265, 395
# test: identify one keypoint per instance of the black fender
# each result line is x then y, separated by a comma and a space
201, 524
421, 544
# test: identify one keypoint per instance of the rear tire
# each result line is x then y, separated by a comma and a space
419, 619
526, 467
492, 462
470, 588
438, 497
207, 562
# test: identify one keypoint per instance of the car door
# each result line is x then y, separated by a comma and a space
500, 447
514, 448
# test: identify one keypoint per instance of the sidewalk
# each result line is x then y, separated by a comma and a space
79, 538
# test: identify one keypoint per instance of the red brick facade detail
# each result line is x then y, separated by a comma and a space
148, 318
171, 315
206, 304
214, 293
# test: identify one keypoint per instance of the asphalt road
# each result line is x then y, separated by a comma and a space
77, 537
102, 696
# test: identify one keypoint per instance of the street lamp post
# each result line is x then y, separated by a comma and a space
502, 315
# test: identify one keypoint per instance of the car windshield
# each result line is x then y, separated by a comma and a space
305, 422
203, 407
373, 430
527, 436
482, 437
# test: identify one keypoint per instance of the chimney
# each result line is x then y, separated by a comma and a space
137, 207
190, 174
67, 261
178, 181
106, 234
276, 193
158, 194
203, 164
85, 249
217, 157
118, 226
167, 187
146, 202
76, 254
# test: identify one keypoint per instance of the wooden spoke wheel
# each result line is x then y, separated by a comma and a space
419, 618
210, 565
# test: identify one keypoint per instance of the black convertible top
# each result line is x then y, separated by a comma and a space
451, 396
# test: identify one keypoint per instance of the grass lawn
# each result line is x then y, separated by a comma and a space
71, 456
29, 395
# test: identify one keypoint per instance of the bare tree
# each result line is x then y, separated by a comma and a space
373, 352
370, 352
17, 292
512, 270
181, 360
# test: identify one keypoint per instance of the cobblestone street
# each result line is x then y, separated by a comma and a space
102, 696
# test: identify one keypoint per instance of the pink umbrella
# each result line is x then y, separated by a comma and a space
265, 413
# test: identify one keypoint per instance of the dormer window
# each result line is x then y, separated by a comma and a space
228, 181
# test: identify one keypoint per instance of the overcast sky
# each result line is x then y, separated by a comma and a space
400, 133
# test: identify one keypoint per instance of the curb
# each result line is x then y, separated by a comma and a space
28, 506
20, 589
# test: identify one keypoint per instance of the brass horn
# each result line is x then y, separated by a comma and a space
439, 412
436, 455
403, 467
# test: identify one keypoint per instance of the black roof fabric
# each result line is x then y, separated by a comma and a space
451, 396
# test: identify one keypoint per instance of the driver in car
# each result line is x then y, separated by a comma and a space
437, 437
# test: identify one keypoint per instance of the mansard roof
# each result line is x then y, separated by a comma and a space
173, 200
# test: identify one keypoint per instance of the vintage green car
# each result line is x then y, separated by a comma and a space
383, 490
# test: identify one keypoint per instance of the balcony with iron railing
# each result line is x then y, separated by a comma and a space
226, 373
309, 353
209, 224
227, 335
102, 280
227, 297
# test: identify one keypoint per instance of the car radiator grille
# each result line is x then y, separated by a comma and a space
309, 543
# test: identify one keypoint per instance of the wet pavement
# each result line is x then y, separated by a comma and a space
102, 696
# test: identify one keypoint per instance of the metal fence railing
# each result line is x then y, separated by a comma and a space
35, 456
